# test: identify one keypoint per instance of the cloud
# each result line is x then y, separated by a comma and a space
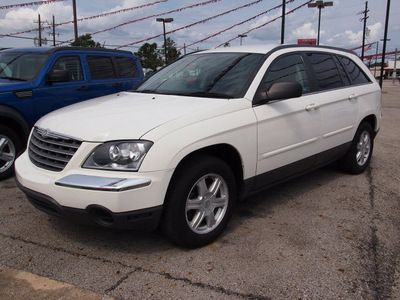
348, 37
305, 32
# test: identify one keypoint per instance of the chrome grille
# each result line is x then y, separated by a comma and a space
51, 151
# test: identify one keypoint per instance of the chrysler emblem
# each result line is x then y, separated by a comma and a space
45, 133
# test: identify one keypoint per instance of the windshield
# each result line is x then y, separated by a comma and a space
21, 66
225, 75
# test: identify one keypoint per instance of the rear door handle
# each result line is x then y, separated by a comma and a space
84, 88
352, 97
117, 84
312, 106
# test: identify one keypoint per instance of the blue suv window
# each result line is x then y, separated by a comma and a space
72, 64
21, 66
127, 67
101, 67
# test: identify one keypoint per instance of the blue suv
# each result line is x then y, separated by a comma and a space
36, 81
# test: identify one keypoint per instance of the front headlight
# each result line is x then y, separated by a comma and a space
118, 155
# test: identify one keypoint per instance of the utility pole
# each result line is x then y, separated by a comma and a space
75, 19
365, 12
394, 76
40, 31
39, 41
283, 21
376, 57
384, 42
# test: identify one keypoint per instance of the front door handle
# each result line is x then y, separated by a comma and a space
311, 107
352, 97
117, 84
84, 88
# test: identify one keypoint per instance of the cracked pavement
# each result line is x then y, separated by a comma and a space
325, 235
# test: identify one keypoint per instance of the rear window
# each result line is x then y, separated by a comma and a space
326, 72
355, 73
101, 67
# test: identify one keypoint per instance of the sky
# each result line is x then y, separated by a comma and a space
340, 24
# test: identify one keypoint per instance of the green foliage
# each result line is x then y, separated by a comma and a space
172, 52
86, 41
149, 56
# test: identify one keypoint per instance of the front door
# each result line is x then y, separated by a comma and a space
288, 130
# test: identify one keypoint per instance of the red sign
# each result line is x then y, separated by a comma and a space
307, 41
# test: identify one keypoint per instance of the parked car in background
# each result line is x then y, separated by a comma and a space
206, 130
36, 81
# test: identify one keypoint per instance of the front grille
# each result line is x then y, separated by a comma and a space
51, 151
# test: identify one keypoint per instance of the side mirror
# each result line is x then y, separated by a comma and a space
284, 90
58, 75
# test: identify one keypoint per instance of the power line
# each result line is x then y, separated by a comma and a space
30, 4
152, 17
198, 22
262, 25
88, 18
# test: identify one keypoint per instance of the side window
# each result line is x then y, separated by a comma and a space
127, 67
357, 76
101, 67
72, 64
287, 68
326, 72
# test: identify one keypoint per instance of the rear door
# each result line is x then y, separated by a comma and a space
336, 99
112, 73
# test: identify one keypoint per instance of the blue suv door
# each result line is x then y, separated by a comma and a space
53, 95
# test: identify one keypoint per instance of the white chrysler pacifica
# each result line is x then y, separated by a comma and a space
200, 134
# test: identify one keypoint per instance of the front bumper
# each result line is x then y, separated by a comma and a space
111, 199
143, 219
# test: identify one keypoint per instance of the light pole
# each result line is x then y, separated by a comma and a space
166, 20
242, 36
320, 4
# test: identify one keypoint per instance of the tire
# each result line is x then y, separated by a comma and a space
10, 147
359, 155
199, 202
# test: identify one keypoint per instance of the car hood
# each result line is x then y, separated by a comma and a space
122, 116
7, 85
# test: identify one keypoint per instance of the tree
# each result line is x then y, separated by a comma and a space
86, 41
172, 52
149, 56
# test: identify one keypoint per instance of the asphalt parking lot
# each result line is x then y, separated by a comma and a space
326, 235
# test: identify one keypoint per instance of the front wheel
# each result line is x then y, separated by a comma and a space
199, 202
360, 153
10, 147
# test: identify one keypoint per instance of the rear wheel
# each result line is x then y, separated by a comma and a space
10, 147
199, 202
360, 153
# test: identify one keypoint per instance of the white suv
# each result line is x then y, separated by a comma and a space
200, 134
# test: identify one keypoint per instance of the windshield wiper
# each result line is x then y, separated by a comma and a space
210, 94
145, 91
12, 78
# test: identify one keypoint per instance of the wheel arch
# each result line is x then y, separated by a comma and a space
372, 120
224, 152
11, 118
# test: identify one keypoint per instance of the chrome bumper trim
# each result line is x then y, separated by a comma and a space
102, 183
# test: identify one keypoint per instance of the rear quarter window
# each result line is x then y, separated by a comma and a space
126, 67
356, 74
